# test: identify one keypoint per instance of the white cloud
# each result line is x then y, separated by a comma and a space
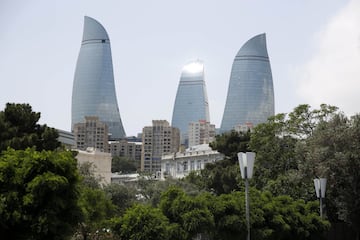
332, 75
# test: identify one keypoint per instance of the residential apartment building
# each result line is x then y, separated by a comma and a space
92, 133
158, 140
124, 148
201, 132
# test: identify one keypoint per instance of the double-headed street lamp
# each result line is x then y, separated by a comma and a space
246, 162
320, 188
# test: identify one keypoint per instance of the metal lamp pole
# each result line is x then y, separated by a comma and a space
320, 188
246, 162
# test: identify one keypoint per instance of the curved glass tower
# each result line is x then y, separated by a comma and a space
191, 102
250, 96
94, 88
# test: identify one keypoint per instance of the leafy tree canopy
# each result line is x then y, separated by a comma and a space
38, 194
123, 165
142, 222
19, 129
230, 143
223, 217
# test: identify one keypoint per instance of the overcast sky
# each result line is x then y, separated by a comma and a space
314, 50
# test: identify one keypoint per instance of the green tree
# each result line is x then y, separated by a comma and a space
123, 197
19, 129
230, 143
97, 210
96, 205
277, 144
38, 194
123, 165
88, 178
281, 217
219, 177
190, 213
142, 222
151, 190
228, 211
333, 151
276, 164
223, 176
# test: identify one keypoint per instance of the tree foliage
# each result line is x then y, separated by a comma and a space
96, 205
277, 144
230, 143
123, 165
122, 197
97, 210
142, 222
333, 151
190, 213
220, 177
19, 129
38, 194
223, 216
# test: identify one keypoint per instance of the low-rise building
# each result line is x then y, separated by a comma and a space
180, 164
101, 162
66, 138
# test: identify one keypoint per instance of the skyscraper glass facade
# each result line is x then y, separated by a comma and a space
191, 102
250, 96
94, 88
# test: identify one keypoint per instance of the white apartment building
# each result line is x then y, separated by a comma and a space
180, 164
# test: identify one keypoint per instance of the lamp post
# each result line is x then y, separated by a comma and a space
320, 188
246, 162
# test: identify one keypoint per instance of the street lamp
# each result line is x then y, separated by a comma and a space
320, 188
246, 161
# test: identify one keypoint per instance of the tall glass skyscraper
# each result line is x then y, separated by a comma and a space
94, 88
191, 102
250, 96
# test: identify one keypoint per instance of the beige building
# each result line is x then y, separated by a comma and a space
201, 132
158, 140
92, 133
244, 127
180, 164
100, 161
124, 148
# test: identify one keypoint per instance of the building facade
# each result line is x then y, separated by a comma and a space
66, 138
157, 140
94, 87
201, 132
180, 164
92, 133
124, 148
191, 102
100, 163
250, 97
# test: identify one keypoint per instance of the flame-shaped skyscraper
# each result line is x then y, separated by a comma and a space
94, 88
191, 102
250, 98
